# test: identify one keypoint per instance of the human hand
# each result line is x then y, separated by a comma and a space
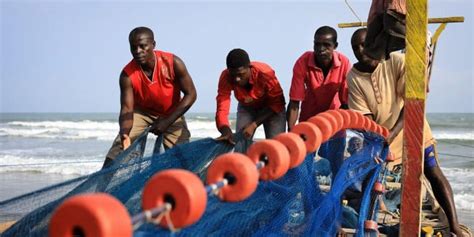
249, 130
159, 126
126, 141
226, 135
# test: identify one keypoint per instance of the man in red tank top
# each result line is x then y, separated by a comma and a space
261, 99
150, 95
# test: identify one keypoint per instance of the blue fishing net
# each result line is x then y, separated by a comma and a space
293, 205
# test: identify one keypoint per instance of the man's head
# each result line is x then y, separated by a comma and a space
142, 44
325, 42
238, 64
357, 42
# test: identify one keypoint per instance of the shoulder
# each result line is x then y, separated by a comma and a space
396, 61
342, 58
355, 78
397, 57
130, 68
262, 67
303, 61
305, 56
351, 76
224, 74
124, 80
164, 54
167, 58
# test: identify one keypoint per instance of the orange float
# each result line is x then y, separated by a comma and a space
295, 146
334, 123
379, 188
365, 123
379, 130
337, 119
355, 119
345, 118
385, 132
241, 173
274, 154
371, 226
310, 134
372, 126
324, 125
180, 188
97, 214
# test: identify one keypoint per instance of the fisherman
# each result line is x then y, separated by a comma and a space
150, 95
260, 97
376, 89
319, 83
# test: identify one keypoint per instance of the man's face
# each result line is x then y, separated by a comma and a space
324, 46
241, 75
358, 49
141, 47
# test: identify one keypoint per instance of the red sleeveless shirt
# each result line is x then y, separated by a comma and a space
159, 96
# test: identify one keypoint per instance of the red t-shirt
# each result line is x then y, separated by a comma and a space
265, 92
316, 93
160, 95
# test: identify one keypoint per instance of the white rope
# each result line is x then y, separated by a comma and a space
168, 218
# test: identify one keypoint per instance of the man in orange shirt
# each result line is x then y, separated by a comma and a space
150, 95
319, 83
259, 93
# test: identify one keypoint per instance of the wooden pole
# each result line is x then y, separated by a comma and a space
454, 19
414, 112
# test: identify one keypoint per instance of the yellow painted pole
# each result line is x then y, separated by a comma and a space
414, 112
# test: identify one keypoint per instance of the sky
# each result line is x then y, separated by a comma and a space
66, 56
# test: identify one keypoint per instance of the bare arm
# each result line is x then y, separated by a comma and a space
292, 113
126, 104
396, 128
186, 85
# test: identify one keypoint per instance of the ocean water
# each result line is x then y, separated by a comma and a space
40, 149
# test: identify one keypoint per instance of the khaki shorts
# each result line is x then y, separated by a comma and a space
176, 133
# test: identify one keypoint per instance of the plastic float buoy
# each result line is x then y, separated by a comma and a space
385, 132
335, 125
365, 122
379, 130
371, 226
240, 172
356, 119
295, 146
98, 215
335, 118
310, 134
379, 188
180, 188
274, 154
372, 126
346, 118
324, 126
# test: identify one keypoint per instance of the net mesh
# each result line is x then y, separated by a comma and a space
293, 205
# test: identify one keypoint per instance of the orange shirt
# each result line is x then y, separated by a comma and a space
317, 93
265, 92
160, 95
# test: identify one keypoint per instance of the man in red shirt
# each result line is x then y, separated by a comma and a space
319, 83
261, 99
150, 95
